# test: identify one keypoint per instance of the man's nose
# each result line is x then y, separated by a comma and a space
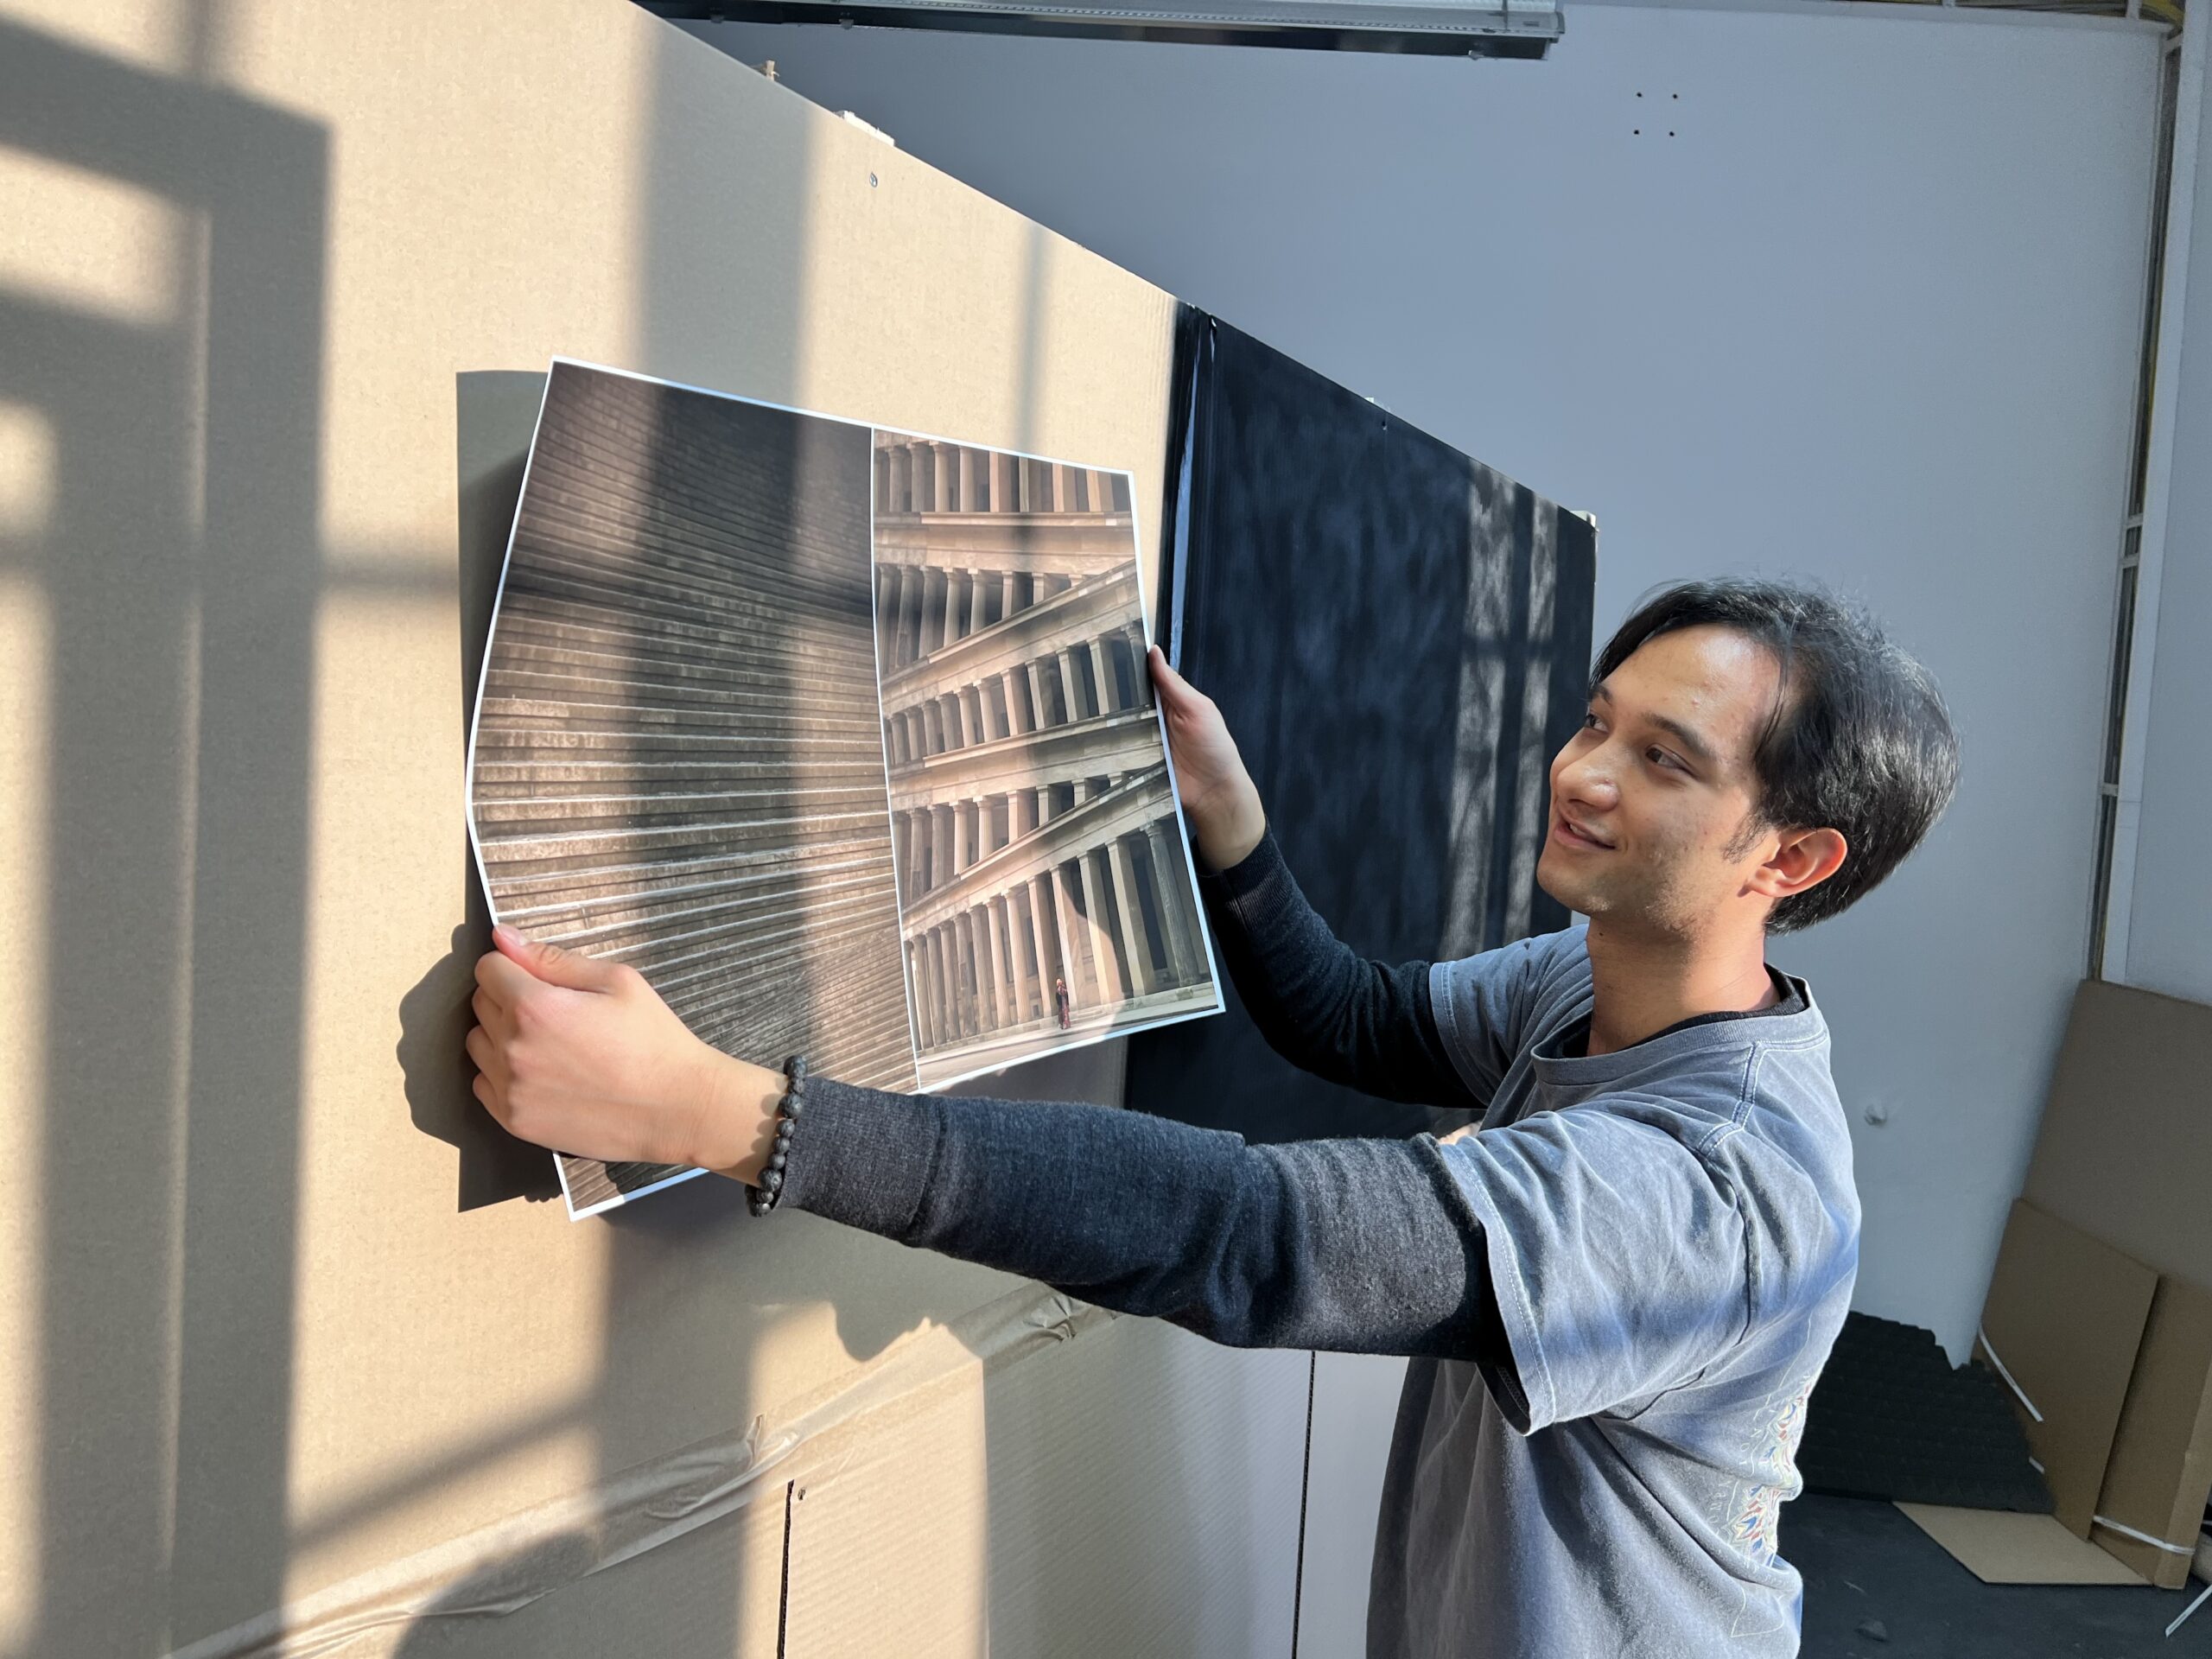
1590, 778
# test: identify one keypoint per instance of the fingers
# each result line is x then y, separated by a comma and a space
491, 1015
484, 1051
554, 965
504, 979
1173, 685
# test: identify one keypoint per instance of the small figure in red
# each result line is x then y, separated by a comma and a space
1060, 1000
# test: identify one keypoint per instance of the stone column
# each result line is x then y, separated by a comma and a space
940, 478
1006, 960
1101, 943
1102, 664
1006, 595
901, 488
1071, 682
1042, 710
1002, 490
1021, 809
963, 1020
1014, 725
1186, 960
1102, 492
1134, 638
1125, 900
1062, 489
967, 479
971, 702
964, 850
916, 1001
979, 945
1085, 988
927, 614
1039, 890
933, 960
951, 606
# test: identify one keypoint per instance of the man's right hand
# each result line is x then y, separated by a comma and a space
1219, 798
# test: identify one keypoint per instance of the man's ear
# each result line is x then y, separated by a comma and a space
1804, 859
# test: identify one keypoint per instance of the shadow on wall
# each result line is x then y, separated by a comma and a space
176, 573
493, 413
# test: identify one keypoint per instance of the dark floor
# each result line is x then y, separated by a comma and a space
1868, 1569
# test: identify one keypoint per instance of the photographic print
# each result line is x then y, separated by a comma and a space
846, 759
1044, 887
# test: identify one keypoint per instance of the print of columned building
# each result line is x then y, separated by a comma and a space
1032, 823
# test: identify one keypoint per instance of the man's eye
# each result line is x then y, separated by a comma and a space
1660, 758
1589, 722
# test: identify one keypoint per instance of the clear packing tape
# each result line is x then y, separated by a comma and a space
516, 1561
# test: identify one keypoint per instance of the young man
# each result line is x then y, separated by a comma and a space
1616, 1291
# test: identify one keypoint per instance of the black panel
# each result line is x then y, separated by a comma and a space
1400, 638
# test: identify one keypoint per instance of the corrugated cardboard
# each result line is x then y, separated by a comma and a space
2005, 1547
2160, 1470
2064, 1318
2124, 1152
252, 1343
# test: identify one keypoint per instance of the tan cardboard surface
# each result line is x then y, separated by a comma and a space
2124, 1151
2002, 1547
2160, 1469
2064, 1316
253, 1342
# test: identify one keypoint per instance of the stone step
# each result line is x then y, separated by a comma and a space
521, 852
537, 619
767, 681
516, 741
542, 776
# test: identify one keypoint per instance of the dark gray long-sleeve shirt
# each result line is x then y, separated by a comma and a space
1617, 1295
1358, 1246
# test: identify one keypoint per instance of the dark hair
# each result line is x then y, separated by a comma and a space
1860, 741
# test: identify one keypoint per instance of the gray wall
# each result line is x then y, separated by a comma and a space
1859, 299
2170, 935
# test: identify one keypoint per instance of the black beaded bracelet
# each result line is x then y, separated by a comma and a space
761, 1197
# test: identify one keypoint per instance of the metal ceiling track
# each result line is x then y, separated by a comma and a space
1511, 28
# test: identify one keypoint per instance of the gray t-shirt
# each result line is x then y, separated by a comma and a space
1672, 1234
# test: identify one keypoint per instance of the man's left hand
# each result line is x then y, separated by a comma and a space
583, 1057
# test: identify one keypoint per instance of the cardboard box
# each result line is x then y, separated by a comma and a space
2124, 1152
2064, 1323
2160, 1468
2005, 1547
2125, 1155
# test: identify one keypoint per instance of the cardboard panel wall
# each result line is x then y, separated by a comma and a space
267, 1340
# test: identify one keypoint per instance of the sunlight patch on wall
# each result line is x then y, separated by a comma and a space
86, 244
26, 650
28, 472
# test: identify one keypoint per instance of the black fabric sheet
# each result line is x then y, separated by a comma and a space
1400, 638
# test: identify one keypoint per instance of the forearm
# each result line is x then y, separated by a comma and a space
1320, 1004
1355, 1246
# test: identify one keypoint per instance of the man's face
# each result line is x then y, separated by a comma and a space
1648, 798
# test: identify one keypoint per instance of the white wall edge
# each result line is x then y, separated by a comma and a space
2158, 488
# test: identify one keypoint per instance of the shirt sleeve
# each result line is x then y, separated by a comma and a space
1319, 1003
1617, 1255
1355, 1246
1481, 1005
